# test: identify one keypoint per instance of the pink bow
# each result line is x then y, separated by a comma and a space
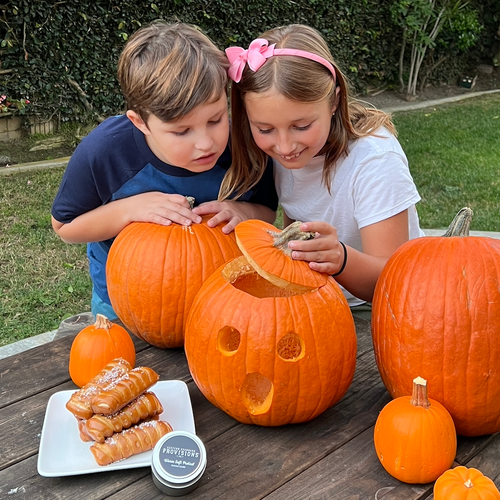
256, 55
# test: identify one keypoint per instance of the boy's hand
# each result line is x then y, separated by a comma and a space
324, 253
162, 208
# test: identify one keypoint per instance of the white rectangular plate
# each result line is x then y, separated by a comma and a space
63, 453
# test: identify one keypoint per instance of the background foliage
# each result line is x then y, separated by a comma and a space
62, 55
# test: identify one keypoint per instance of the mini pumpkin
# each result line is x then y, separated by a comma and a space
95, 346
269, 341
462, 483
154, 272
436, 312
415, 438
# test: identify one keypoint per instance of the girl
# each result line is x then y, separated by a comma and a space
337, 164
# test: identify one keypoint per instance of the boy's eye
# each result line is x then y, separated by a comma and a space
180, 133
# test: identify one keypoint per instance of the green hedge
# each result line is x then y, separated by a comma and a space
62, 55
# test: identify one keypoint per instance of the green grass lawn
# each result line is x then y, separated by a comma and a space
454, 155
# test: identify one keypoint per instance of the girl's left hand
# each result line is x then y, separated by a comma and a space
324, 253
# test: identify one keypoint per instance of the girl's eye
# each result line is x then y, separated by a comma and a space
305, 127
215, 122
267, 131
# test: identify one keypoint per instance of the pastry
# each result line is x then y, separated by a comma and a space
136, 439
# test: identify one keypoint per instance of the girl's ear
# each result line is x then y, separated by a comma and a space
138, 122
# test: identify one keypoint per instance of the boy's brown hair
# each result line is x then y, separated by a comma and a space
167, 69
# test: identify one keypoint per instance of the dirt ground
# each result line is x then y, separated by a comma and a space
391, 98
20, 151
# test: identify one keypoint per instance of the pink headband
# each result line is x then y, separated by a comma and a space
257, 54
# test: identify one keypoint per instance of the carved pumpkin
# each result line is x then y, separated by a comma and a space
462, 483
436, 312
153, 273
95, 346
270, 354
415, 438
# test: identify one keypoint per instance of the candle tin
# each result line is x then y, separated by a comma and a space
179, 461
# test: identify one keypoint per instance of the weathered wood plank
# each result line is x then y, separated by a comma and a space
47, 366
253, 460
352, 472
21, 422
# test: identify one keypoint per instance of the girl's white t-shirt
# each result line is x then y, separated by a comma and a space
372, 183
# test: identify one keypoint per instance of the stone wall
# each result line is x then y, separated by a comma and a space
11, 127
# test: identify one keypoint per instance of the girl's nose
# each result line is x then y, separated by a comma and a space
285, 146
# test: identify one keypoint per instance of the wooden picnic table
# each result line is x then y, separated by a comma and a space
331, 457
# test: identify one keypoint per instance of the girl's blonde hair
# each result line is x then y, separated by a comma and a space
303, 80
167, 69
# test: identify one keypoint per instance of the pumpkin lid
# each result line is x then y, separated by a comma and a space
266, 249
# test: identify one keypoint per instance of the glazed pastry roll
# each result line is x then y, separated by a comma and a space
80, 403
126, 389
144, 407
132, 441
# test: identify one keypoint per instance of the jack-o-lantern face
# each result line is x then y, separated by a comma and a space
267, 354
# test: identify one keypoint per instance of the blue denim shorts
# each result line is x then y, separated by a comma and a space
98, 306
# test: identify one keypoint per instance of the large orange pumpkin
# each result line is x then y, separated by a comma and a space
415, 438
270, 354
95, 346
436, 312
153, 273
462, 483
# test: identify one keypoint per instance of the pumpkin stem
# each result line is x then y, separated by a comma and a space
292, 232
468, 484
191, 201
102, 323
461, 223
419, 396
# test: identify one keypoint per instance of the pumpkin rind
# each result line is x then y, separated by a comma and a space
95, 346
415, 438
268, 359
436, 312
462, 483
255, 240
153, 273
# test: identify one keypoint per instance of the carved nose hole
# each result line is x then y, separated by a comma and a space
257, 393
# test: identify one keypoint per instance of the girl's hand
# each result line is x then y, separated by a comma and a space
324, 253
161, 208
232, 212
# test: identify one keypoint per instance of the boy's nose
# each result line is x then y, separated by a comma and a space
204, 142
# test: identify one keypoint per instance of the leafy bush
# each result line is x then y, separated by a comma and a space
62, 55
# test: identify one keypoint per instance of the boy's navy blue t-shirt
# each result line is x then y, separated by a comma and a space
114, 162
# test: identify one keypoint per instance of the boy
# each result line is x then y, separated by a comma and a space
172, 143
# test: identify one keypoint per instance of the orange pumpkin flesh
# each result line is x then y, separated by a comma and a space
462, 483
269, 355
260, 243
415, 437
153, 273
95, 346
436, 311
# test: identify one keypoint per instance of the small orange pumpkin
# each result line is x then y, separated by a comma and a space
462, 483
153, 273
415, 438
268, 340
95, 346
